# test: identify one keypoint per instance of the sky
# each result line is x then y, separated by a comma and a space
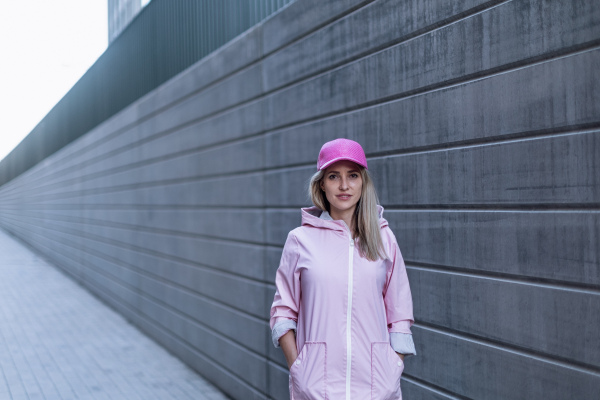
45, 47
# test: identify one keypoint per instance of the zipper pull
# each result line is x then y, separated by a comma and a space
351, 242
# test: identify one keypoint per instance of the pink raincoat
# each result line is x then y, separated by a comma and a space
345, 307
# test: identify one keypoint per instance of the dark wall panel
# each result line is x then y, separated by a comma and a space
484, 367
481, 124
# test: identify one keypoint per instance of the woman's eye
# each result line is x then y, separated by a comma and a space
354, 176
332, 176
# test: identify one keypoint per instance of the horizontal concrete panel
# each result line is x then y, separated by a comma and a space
223, 191
209, 313
223, 321
203, 296
497, 38
231, 124
229, 257
279, 222
416, 391
233, 224
251, 296
178, 247
135, 170
249, 367
238, 88
301, 17
555, 321
102, 164
552, 245
235, 89
368, 29
485, 371
238, 122
246, 331
553, 170
555, 245
474, 111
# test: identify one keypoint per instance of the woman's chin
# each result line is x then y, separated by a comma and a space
342, 207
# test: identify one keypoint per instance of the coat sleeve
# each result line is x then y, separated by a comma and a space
398, 302
286, 303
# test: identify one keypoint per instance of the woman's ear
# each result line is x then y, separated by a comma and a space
322, 185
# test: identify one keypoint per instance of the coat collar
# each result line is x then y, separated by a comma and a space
314, 216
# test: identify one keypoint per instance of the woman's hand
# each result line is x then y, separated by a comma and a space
288, 345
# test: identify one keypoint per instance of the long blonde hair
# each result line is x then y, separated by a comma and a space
366, 218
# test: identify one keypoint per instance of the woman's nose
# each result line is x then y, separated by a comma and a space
343, 184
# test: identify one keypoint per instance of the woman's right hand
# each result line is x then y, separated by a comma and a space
288, 345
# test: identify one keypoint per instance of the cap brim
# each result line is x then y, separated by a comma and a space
328, 163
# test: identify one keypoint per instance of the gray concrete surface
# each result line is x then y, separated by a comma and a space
481, 124
58, 342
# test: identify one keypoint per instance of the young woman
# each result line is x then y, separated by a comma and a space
343, 310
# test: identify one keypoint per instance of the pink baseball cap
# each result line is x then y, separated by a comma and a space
341, 149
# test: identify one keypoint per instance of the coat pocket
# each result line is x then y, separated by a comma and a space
309, 372
386, 370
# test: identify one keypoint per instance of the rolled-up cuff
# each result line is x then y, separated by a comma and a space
401, 326
281, 328
403, 343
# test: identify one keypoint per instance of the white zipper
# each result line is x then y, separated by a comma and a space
349, 318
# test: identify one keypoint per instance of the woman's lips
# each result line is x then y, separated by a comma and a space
343, 196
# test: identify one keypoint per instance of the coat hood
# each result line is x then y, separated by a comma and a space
310, 217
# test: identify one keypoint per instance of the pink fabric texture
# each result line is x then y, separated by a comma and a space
345, 307
341, 149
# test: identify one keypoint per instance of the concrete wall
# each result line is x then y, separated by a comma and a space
481, 122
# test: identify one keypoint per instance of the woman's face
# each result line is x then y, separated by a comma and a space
342, 184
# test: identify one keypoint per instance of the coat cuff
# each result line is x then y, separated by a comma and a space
402, 326
403, 343
281, 328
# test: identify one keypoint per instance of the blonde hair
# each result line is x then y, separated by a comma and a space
366, 218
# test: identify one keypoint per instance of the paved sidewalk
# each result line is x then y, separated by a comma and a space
59, 342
